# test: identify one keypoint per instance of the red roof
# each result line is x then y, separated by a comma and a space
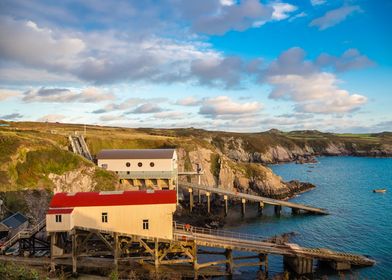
62, 200
59, 211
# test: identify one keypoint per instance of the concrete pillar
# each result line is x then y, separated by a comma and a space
299, 265
208, 194
74, 253
340, 265
295, 211
278, 210
229, 261
261, 207
225, 197
190, 199
243, 201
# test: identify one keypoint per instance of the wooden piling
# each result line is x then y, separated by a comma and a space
261, 207
243, 201
225, 197
115, 251
190, 199
52, 244
278, 210
208, 194
74, 253
229, 261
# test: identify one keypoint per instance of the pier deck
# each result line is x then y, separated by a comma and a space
255, 198
257, 244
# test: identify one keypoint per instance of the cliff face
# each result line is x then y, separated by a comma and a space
239, 150
221, 171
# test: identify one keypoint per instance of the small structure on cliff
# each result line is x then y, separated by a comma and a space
142, 168
11, 225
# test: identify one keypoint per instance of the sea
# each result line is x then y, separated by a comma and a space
360, 221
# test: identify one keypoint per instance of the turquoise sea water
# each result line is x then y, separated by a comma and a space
360, 220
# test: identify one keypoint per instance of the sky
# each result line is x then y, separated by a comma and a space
244, 66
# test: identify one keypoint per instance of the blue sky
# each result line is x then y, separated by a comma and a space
231, 65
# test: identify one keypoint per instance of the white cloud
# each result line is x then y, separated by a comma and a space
129, 103
282, 10
334, 17
315, 93
188, 101
13, 116
36, 46
8, 93
222, 18
146, 108
349, 60
224, 105
60, 95
317, 2
52, 118
171, 115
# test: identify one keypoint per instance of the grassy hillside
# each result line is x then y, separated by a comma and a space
30, 151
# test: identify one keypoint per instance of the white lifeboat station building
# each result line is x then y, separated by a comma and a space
145, 213
142, 168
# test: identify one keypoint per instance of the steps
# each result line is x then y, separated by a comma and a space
79, 146
23, 234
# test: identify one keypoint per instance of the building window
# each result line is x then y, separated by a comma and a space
140, 164
104, 217
128, 172
145, 224
128, 164
152, 164
58, 218
104, 166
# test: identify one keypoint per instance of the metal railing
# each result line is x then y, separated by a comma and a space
196, 232
147, 174
24, 233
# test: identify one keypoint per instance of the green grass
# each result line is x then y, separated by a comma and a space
105, 180
38, 164
11, 271
215, 166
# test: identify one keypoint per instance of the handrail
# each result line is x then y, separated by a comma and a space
195, 231
26, 233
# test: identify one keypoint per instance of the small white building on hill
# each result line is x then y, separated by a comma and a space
143, 213
156, 168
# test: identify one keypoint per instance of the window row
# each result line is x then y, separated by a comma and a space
128, 164
104, 219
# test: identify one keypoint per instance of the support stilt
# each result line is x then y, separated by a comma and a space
230, 261
190, 199
115, 251
226, 204
52, 244
208, 194
74, 254
243, 201
278, 210
295, 211
199, 196
261, 207
156, 253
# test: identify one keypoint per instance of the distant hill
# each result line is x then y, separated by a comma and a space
37, 155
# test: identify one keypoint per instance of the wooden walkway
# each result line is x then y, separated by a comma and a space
250, 197
257, 244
